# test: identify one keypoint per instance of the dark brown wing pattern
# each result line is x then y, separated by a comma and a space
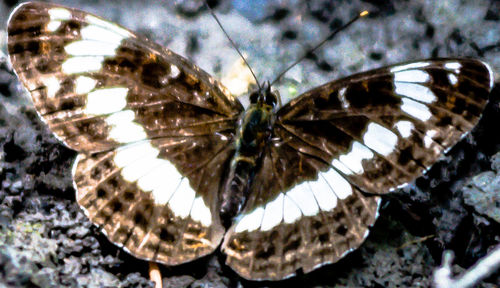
371, 132
135, 111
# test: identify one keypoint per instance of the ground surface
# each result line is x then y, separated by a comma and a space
46, 241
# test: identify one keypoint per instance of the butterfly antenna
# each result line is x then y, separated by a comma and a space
232, 43
329, 37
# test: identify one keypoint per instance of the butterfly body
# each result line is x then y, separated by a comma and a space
166, 152
253, 134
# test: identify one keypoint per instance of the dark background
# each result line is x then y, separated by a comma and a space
46, 241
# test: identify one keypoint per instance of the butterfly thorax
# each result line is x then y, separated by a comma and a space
254, 132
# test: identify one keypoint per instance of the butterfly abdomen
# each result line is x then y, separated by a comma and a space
251, 138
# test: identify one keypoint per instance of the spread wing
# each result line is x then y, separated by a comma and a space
152, 129
338, 146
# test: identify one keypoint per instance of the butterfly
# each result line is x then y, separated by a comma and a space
171, 166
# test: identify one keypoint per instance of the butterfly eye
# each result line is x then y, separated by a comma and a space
254, 97
271, 99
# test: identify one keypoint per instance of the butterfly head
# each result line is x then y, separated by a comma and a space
264, 97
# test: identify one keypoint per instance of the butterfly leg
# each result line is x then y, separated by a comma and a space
155, 274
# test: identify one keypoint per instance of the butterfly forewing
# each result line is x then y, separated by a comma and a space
149, 125
384, 127
69, 60
369, 133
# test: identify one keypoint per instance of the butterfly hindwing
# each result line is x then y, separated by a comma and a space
369, 133
307, 216
144, 204
139, 115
